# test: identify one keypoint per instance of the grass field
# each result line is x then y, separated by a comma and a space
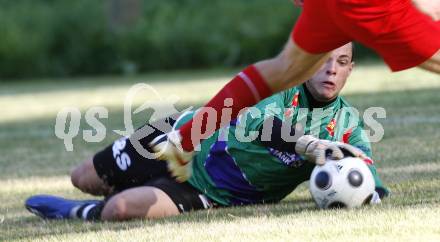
33, 161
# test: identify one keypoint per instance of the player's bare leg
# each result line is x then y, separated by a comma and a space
433, 64
139, 202
291, 67
85, 178
429, 7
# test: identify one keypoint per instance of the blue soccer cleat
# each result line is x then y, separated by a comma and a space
53, 207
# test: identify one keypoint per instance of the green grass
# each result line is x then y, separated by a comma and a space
34, 161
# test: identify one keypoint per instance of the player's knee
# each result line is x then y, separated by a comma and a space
75, 177
115, 209
80, 177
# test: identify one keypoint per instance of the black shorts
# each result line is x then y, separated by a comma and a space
122, 167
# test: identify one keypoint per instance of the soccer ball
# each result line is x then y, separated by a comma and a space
345, 183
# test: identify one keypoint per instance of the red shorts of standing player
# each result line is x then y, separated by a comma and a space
395, 29
405, 33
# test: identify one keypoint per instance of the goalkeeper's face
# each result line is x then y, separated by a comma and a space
326, 84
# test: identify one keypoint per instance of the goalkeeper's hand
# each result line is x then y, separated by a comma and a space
350, 150
167, 147
318, 150
375, 199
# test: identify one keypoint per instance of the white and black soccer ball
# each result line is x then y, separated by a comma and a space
345, 183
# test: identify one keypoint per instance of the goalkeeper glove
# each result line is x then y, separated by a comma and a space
317, 150
167, 147
375, 199
350, 150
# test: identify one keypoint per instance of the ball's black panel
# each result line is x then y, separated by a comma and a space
355, 178
328, 153
323, 180
336, 205
346, 152
367, 200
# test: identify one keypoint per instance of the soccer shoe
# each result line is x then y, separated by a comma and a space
53, 207
167, 148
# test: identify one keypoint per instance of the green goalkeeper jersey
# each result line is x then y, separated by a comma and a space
232, 167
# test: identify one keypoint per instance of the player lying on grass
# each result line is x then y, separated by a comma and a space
226, 171
405, 33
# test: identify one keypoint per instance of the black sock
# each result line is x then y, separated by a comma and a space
90, 211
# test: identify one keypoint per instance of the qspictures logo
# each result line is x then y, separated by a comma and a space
68, 121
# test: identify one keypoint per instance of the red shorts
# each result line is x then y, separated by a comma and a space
395, 29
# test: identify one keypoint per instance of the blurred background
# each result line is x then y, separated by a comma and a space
59, 38
85, 54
